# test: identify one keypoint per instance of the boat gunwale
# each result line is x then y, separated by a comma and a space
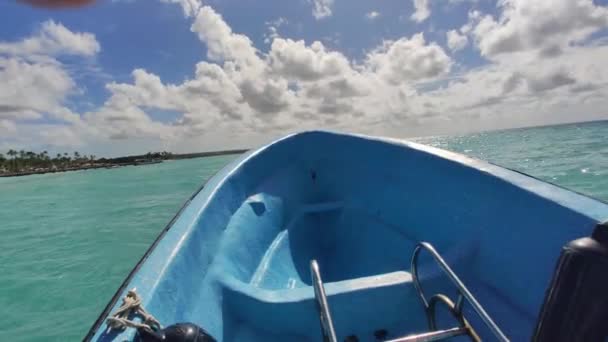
107, 309
519, 179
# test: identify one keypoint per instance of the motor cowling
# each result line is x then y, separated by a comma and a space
576, 302
180, 332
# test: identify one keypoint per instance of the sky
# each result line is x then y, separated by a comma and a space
131, 76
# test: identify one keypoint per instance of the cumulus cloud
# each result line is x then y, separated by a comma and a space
33, 83
273, 27
244, 67
212, 83
322, 8
456, 41
241, 93
545, 25
554, 79
409, 60
222, 43
260, 90
267, 97
118, 121
421, 10
27, 90
295, 60
53, 39
531, 92
518, 84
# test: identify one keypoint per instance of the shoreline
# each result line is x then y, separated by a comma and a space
89, 167
111, 165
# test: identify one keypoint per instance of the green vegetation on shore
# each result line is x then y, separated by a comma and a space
20, 163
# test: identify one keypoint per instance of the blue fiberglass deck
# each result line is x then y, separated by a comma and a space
236, 260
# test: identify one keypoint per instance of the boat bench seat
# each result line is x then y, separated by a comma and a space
265, 278
391, 296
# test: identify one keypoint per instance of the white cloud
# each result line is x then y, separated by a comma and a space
53, 39
243, 65
147, 90
33, 83
123, 115
222, 43
293, 83
508, 93
407, 60
455, 40
241, 95
28, 90
271, 35
421, 10
322, 8
119, 121
372, 15
295, 60
544, 26
549, 81
273, 27
190, 7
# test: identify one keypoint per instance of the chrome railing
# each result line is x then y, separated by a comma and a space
327, 325
464, 293
433, 335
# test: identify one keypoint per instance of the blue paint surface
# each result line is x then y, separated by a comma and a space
236, 260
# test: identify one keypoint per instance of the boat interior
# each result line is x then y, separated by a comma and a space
237, 261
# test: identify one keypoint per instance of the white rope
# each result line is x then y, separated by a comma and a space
132, 304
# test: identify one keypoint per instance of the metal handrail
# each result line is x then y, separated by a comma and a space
327, 325
433, 335
464, 292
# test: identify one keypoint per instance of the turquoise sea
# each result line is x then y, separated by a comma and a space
68, 240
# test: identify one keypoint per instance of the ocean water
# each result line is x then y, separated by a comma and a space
68, 240
574, 156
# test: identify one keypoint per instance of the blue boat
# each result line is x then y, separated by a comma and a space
322, 236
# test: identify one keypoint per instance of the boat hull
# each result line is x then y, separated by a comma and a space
235, 260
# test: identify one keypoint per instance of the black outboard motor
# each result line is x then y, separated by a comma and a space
180, 332
576, 303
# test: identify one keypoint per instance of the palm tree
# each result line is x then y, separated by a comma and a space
12, 153
57, 160
46, 159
